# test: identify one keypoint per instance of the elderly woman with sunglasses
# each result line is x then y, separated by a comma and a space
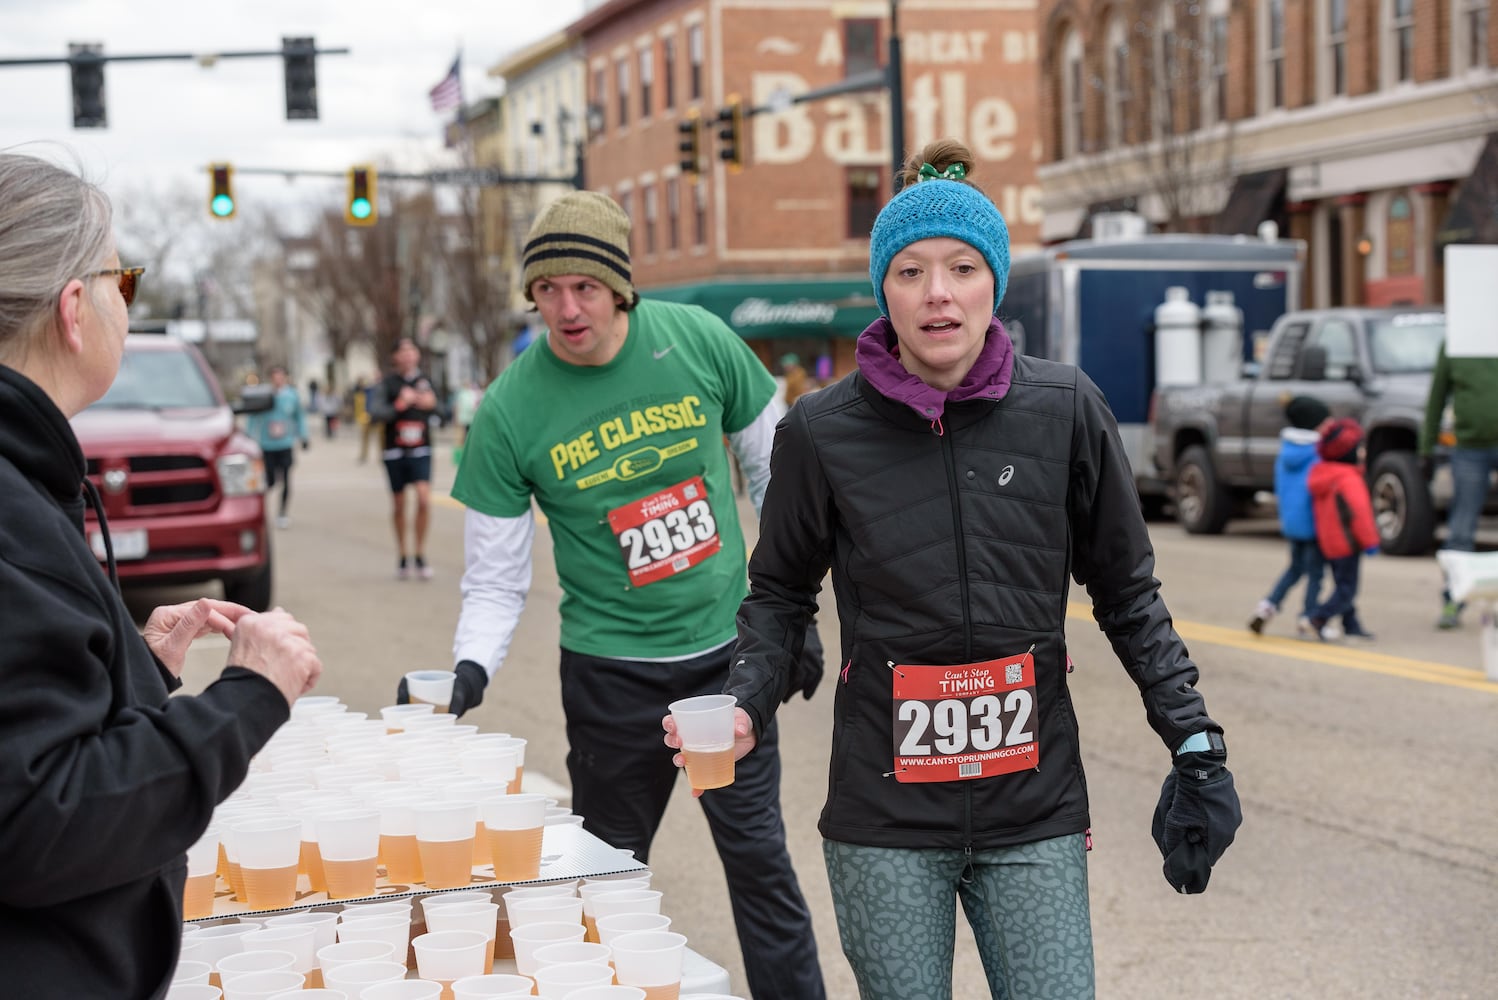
105, 781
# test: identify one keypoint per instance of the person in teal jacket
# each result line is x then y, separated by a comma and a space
1470, 385
277, 430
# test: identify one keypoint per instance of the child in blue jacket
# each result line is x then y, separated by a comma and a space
1297, 524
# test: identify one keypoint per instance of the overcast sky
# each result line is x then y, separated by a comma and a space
168, 120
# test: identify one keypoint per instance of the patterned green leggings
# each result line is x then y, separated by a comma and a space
1027, 905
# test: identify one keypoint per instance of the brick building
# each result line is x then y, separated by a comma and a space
1363, 127
779, 248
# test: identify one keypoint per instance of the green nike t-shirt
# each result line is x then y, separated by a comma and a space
628, 462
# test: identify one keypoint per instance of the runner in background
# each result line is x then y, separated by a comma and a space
277, 430
405, 403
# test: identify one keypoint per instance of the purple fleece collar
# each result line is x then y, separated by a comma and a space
878, 357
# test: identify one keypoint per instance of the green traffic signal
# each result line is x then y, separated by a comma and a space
221, 194
223, 206
359, 208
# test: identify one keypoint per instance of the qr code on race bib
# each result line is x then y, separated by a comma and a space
969, 770
680, 563
1014, 673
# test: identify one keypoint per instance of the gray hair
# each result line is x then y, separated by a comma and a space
54, 227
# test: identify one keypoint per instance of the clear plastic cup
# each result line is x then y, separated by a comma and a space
525, 910
355, 977
487, 987
530, 938
409, 989
476, 916
298, 939
588, 890
573, 953
649, 959
608, 904
611, 928
491, 763
356, 952
245, 963
268, 850
515, 824
556, 982
192, 972
426, 724
444, 840
213, 943
431, 687
395, 716
386, 928
262, 985
348, 841
443, 956
324, 926
705, 726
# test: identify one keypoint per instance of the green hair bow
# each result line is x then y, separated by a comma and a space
955, 172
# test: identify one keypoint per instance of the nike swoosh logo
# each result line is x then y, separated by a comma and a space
663, 352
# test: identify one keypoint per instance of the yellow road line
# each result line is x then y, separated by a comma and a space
1347, 657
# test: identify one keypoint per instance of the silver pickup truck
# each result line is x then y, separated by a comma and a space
1216, 444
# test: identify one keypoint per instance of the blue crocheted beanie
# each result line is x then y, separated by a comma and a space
939, 207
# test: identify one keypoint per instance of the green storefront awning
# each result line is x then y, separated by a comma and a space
766, 309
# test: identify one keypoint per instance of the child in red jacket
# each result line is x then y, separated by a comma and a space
1344, 525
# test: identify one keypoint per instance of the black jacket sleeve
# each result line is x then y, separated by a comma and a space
785, 572
1113, 559
103, 777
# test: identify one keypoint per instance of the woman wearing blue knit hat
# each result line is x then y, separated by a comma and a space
953, 487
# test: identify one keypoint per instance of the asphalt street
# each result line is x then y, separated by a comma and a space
1366, 865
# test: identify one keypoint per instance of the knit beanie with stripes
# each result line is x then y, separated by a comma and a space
583, 232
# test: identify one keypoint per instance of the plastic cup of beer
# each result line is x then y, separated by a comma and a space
525, 910
531, 938
477, 791
608, 993
245, 963
262, 985
192, 972
202, 877
431, 687
652, 961
443, 956
298, 939
588, 890
408, 989
481, 917
355, 977
395, 716
349, 842
515, 824
573, 953
193, 991
488, 987
444, 841
705, 727
620, 924
268, 850
556, 982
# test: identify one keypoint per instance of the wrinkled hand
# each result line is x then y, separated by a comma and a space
1195, 819
806, 673
172, 628
743, 740
277, 647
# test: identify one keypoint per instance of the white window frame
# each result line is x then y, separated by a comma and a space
1391, 27
645, 52
1328, 42
621, 83
1461, 37
1163, 56
1071, 94
1214, 70
1118, 83
1271, 57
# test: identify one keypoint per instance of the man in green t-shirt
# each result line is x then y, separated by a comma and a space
615, 427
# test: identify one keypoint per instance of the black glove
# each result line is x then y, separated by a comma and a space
806, 674
468, 688
1196, 818
1427, 467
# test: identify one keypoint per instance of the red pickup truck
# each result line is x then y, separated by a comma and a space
183, 488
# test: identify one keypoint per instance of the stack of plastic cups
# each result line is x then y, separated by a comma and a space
473, 916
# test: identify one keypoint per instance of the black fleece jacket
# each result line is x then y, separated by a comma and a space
105, 780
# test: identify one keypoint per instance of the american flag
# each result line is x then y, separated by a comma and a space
449, 93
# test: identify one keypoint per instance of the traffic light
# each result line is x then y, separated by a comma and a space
300, 58
221, 193
731, 133
87, 66
690, 145
362, 207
